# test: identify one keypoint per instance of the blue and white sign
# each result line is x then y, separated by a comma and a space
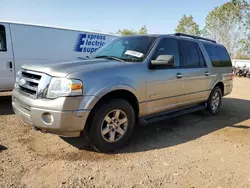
90, 43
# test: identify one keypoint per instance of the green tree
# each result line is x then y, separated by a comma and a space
227, 24
244, 44
126, 32
142, 30
187, 25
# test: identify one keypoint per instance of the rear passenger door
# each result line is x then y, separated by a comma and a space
195, 72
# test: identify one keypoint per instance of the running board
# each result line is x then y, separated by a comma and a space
152, 119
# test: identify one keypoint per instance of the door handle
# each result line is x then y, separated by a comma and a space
179, 75
207, 73
9, 64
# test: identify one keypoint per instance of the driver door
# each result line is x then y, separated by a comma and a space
165, 85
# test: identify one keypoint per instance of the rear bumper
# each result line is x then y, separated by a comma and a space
60, 118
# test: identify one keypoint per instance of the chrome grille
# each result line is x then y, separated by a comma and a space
28, 82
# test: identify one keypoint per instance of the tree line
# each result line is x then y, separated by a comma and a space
228, 24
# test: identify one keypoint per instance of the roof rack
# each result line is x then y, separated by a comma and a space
194, 37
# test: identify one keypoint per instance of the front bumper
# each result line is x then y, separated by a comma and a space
61, 116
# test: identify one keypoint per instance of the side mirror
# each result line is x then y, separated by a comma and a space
163, 60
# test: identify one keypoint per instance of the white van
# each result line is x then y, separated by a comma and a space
34, 44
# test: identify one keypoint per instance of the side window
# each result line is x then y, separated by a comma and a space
225, 60
218, 55
192, 55
3, 46
167, 48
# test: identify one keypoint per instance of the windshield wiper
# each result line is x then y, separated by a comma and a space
110, 57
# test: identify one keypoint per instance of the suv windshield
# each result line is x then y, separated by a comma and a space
129, 48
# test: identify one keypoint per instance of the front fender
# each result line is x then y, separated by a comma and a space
111, 88
102, 92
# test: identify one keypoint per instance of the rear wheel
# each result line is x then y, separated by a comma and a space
112, 125
214, 101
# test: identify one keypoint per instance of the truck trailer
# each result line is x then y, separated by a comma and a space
22, 43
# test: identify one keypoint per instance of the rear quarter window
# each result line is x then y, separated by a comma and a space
218, 55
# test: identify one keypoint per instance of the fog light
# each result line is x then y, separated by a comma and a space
47, 118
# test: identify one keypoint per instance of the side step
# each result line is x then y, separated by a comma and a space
160, 117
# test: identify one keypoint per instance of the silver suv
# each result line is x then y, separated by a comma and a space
131, 80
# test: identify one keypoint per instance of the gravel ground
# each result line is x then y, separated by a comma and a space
194, 150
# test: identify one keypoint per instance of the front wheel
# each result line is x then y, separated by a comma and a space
112, 125
214, 101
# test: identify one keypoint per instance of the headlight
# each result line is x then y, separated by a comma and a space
19, 74
62, 87
18, 77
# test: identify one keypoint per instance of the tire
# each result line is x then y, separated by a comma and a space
210, 105
112, 140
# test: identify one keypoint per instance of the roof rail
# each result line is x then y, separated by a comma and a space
194, 37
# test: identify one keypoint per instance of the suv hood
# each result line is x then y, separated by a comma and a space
62, 69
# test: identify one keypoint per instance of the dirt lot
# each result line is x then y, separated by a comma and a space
191, 151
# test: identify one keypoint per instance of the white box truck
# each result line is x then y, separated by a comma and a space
35, 44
